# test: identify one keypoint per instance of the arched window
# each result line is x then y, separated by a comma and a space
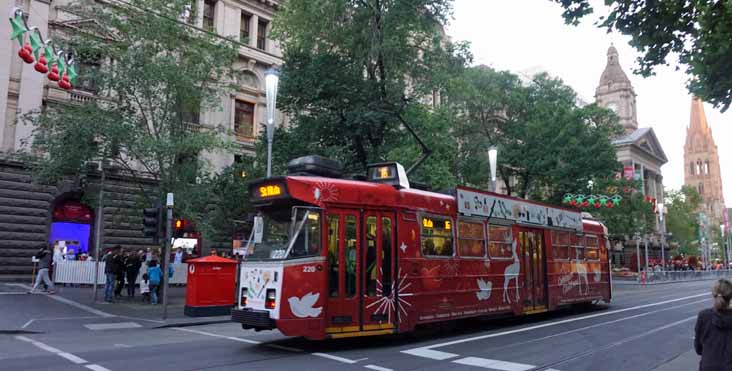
698, 167
701, 188
706, 168
691, 168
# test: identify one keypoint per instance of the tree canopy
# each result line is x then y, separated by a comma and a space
698, 31
682, 220
156, 74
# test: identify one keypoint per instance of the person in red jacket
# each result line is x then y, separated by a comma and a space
713, 332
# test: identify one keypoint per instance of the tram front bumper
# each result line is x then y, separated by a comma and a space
250, 318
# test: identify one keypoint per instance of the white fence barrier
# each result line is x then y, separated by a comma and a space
82, 272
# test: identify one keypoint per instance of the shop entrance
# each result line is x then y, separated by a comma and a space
71, 228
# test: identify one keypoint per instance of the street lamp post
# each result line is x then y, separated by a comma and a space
492, 159
637, 253
272, 79
661, 210
724, 246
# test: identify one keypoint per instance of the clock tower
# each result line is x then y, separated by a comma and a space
616, 93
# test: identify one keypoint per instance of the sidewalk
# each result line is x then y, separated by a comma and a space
687, 361
80, 300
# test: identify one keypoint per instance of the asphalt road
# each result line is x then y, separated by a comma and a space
643, 329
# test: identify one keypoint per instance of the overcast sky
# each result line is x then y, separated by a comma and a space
530, 35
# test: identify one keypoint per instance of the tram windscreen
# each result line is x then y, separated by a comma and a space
294, 233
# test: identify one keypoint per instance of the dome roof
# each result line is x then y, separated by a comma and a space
613, 72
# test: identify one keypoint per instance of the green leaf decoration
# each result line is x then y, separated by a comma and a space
616, 199
61, 61
18, 28
72, 73
49, 54
36, 43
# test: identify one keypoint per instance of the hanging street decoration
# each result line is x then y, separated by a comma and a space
596, 201
42, 52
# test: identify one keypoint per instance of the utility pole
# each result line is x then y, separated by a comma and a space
166, 256
637, 252
98, 237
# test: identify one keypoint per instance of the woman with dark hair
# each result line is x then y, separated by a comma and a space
713, 338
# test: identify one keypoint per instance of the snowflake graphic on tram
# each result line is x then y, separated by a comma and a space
331, 257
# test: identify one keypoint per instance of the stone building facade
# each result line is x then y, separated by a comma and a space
638, 149
701, 160
29, 211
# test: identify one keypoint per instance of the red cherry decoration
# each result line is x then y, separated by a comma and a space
41, 65
26, 53
53, 76
64, 83
573, 202
609, 204
597, 205
585, 203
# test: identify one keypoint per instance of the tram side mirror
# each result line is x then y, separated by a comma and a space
258, 229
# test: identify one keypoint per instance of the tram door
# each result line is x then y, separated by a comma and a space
344, 237
533, 268
378, 272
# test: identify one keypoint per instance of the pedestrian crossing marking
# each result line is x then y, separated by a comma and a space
112, 326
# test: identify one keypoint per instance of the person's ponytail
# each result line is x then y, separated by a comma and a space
722, 292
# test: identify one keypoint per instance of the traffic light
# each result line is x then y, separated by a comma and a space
152, 222
180, 226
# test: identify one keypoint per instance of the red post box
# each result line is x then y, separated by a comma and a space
210, 286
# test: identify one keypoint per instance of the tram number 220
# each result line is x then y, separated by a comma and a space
308, 269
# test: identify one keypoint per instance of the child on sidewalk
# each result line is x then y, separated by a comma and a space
145, 288
156, 276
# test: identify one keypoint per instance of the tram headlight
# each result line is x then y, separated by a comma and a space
243, 300
269, 303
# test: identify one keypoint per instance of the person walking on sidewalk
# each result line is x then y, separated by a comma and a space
156, 276
45, 259
112, 262
133, 265
713, 331
121, 272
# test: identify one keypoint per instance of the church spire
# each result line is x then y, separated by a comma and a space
613, 72
616, 92
698, 121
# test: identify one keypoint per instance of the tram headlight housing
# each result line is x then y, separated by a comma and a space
243, 299
269, 302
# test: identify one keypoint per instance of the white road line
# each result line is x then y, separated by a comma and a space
28, 323
73, 303
217, 335
72, 357
378, 368
427, 351
339, 359
97, 368
38, 344
493, 364
111, 326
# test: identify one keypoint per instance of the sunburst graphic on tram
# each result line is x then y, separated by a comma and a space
325, 192
388, 304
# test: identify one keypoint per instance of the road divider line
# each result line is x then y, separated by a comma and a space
38, 344
339, 359
493, 364
378, 368
97, 368
428, 352
72, 357
217, 335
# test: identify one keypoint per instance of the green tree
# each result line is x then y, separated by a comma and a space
682, 221
355, 72
157, 74
634, 214
548, 145
698, 31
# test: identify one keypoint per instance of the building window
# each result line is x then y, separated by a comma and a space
499, 242
262, 35
191, 112
692, 168
706, 168
701, 188
208, 15
246, 20
436, 236
471, 239
244, 119
698, 167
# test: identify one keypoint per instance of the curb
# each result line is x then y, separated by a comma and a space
189, 324
636, 283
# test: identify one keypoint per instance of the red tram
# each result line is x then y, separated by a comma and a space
332, 258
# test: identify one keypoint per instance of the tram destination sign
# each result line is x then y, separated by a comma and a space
475, 203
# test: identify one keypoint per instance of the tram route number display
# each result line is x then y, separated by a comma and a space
472, 203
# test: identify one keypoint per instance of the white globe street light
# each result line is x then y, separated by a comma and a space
271, 80
492, 159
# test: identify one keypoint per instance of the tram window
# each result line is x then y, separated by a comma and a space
351, 228
333, 259
436, 236
471, 239
308, 240
578, 247
592, 248
386, 238
560, 245
499, 242
370, 252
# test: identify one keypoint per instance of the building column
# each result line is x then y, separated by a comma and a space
199, 14
253, 31
31, 82
6, 59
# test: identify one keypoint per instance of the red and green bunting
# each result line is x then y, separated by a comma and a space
57, 64
596, 201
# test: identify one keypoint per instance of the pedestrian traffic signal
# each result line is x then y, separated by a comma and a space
180, 226
152, 222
